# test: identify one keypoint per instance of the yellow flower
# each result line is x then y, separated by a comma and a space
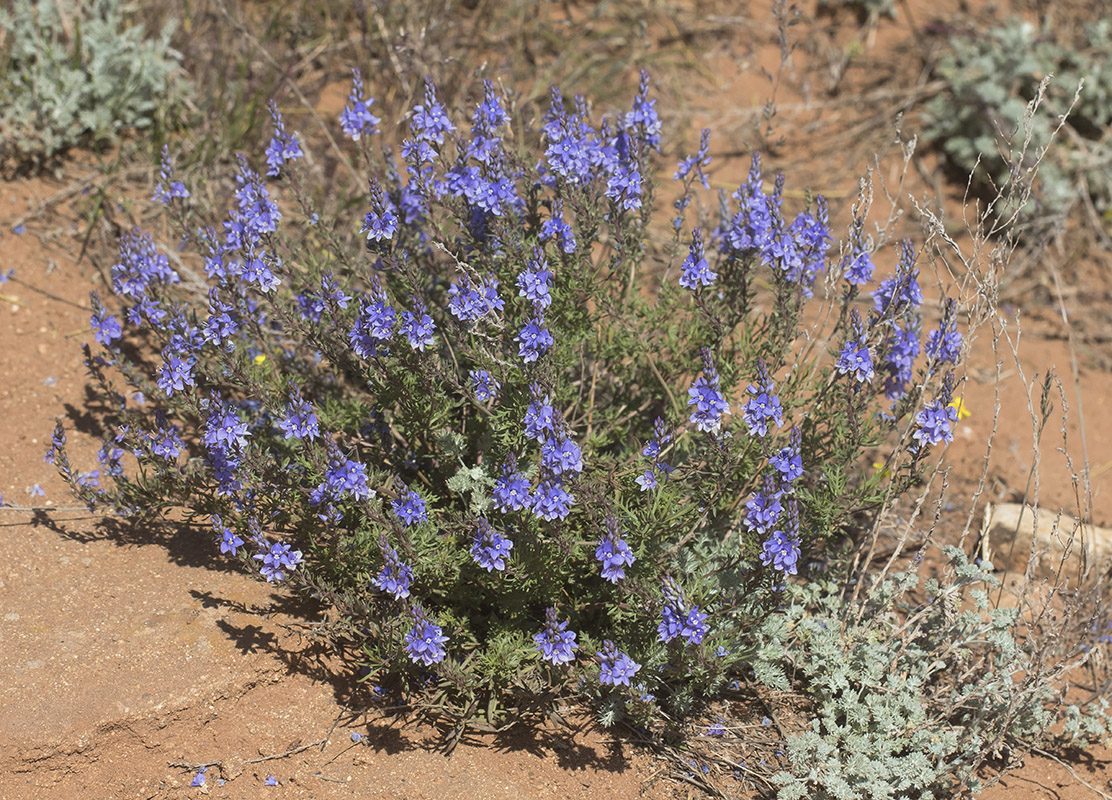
959, 407
260, 358
882, 469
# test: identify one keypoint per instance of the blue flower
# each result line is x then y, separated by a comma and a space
300, 421
410, 509
763, 509
106, 329
381, 222
534, 282
533, 340
375, 326
788, 461
858, 266
902, 290
944, 344
276, 559
679, 620
230, 542
781, 552
540, 417
511, 489
855, 359
176, 374
356, 119
167, 188
556, 643
557, 227
166, 442
489, 548
613, 553
395, 575
270, 781
697, 162
647, 480
696, 270
483, 385
199, 778
430, 121
551, 500
899, 362
762, 407
283, 146
935, 423
345, 476
424, 644
615, 667
469, 304
418, 327
710, 403
561, 455
139, 266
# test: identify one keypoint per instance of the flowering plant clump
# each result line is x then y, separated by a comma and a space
516, 447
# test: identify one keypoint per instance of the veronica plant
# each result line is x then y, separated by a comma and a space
515, 448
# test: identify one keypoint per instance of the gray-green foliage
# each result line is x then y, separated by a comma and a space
76, 72
909, 700
993, 76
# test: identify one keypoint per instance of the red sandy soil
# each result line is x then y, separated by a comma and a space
130, 656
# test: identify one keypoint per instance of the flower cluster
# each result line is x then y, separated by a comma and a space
709, 401
556, 643
678, 619
457, 402
276, 558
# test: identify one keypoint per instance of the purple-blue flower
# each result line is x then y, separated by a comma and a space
300, 421
615, 667
230, 542
167, 188
533, 340
511, 489
106, 329
559, 228
356, 119
788, 461
176, 374
696, 270
483, 385
781, 552
613, 553
276, 559
647, 480
935, 423
430, 121
489, 548
418, 327
395, 575
224, 428
535, 282
679, 620
283, 145
763, 407
551, 500
709, 401
855, 360
556, 643
763, 509
561, 455
410, 508
424, 644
